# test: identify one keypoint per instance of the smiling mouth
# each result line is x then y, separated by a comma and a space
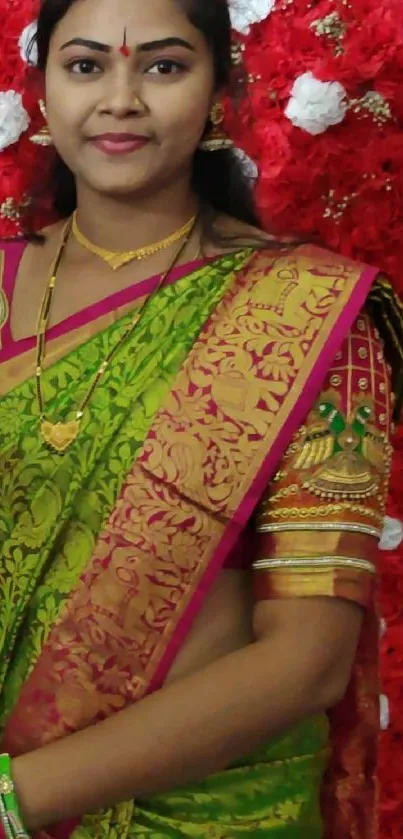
119, 143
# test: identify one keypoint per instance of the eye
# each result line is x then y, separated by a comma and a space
83, 67
166, 67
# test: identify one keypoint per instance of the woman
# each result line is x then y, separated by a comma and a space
194, 463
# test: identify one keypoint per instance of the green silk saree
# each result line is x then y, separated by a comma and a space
108, 551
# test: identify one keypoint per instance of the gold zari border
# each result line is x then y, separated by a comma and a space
314, 565
344, 582
346, 527
327, 510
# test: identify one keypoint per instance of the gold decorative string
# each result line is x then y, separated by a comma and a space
60, 435
116, 260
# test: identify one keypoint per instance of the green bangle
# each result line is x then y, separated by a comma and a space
9, 809
4, 822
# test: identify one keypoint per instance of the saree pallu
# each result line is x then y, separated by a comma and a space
108, 553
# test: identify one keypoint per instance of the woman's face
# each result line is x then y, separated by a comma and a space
129, 85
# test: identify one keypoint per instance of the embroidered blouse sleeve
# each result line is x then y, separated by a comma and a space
318, 525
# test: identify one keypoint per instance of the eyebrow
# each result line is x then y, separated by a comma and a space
149, 46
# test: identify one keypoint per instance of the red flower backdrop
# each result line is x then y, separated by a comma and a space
345, 185
330, 159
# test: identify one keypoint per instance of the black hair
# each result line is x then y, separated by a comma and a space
219, 178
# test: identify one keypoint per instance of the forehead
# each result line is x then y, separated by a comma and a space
143, 20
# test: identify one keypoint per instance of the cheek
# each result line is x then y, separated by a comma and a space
66, 109
64, 135
64, 129
58, 113
181, 118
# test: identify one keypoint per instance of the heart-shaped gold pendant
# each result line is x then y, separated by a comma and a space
61, 435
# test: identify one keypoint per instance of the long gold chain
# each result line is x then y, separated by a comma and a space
116, 260
59, 436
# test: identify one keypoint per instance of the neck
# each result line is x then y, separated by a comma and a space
119, 224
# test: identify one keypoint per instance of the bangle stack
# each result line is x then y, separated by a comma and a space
11, 826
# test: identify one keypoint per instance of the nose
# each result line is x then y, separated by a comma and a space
121, 97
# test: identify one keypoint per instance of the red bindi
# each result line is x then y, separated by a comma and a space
124, 49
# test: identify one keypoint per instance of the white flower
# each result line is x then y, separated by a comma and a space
392, 534
14, 119
315, 105
248, 165
27, 44
246, 12
384, 709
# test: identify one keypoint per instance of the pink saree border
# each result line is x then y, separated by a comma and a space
13, 254
337, 335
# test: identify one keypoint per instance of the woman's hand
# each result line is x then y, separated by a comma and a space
298, 666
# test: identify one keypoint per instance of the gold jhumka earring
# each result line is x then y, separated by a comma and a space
216, 139
43, 137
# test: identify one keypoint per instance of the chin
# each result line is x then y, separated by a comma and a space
121, 188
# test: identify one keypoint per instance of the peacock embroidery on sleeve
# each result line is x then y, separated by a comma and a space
342, 457
335, 472
319, 523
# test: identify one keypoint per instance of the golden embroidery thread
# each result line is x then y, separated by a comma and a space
324, 527
347, 458
314, 564
326, 510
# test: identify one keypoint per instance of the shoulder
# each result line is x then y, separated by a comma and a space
32, 248
302, 262
313, 266
37, 238
25, 256
226, 234
11, 254
12, 245
304, 255
310, 267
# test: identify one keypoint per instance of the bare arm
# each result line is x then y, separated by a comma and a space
299, 665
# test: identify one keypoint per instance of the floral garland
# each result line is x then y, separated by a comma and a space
326, 105
324, 122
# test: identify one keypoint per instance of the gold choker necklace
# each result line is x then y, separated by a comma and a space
117, 260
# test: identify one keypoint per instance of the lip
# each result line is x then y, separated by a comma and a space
116, 144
